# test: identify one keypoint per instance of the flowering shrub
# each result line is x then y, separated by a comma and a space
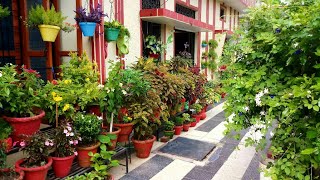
273, 78
20, 92
38, 148
65, 140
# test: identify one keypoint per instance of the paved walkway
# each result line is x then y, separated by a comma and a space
229, 160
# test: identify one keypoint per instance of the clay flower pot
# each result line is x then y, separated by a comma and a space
193, 124
143, 148
116, 132
178, 130
34, 172
62, 165
24, 125
126, 130
18, 172
203, 115
186, 127
196, 116
83, 157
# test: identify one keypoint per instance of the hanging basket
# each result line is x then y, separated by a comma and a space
49, 33
88, 28
111, 34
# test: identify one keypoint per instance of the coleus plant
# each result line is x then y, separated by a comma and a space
95, 14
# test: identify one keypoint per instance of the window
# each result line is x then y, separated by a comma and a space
185, 11
222, 13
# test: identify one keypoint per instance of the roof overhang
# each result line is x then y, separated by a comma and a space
239, 5
179, 21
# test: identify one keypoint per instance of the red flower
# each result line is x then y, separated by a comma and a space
54, 82
31, 71
222, 68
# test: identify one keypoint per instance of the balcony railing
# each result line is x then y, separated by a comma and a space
150, 4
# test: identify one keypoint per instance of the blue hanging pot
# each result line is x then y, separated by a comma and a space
88, 28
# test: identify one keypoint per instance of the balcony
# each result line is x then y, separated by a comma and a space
150, 4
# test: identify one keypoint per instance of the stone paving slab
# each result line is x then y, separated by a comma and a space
188, 148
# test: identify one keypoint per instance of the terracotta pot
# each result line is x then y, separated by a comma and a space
154, 56
25, 125
95, 109
196, 116
62, 165
203, 114
186, 127
116, 132
143, 148
169, 133
39, 173
126, 130
178, 130
83, 157
193, 124
20, 172
7, 143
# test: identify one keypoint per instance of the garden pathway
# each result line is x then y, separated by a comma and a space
229, 160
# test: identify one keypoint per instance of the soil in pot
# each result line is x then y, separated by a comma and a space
186, 127
83, 157
32, 173
9, 174
62, 165
169, 134
178, 130
116, 132
126, 130
24, 125
143, 148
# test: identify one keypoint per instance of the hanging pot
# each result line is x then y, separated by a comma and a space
49, 33
88, 28
111, 34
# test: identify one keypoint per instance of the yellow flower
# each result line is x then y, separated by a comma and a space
53, 94
129, 118
87, 79
57, 98
68, 81
66, 107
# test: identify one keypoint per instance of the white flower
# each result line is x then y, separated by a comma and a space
80, 139
246, 108
71, 134
117, 57
260, 94
309, 92
65, 131
112, 90
108, 90
120, 84
100, 86
0, 74
70, 142
100, 118
123, 59
76, 153
290, 94
124, 92
67, 134
266, 91
262, 113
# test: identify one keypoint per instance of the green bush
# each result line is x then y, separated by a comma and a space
4, 12
6, 129
168, 126
179, 121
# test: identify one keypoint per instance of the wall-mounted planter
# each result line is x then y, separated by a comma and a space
88, 28
204, 45
49, 33
111, 34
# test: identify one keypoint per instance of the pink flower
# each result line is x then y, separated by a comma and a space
22, 144
15, 143
67, 134
47, 143
75, 142
76, 153
69, 128
70, 142
65, 131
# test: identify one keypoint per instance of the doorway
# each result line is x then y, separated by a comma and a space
184, 41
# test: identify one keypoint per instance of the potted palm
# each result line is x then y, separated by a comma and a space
168, 129
65, 141
5, 139
187, 121
88, 126
178, 125
48, 21
21, 100
38, 162
111, 30
89, 20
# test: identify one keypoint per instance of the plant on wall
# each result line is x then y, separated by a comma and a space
211, 55
4, 12
275, 81
156, 46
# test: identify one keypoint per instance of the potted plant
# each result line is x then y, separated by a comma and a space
5, 139
38, 162
88, 126
168, 129
21, 100
111, 30
197, 108
187, 121
8, 173
48, 21
155, 46
204, 43
4, 12
65, 140
123, 41
89, 20
178, 125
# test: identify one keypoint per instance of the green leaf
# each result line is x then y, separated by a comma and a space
104, 139
311, 134
316, 108
308, 151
